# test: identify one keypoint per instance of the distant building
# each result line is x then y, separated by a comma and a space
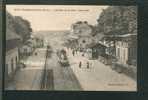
12, 55
106, 49
123, 48
109, 43
96, 50
126, 49
84, 31
81, 28
126, 54
39, 42
25, 50
72, 41
84, 41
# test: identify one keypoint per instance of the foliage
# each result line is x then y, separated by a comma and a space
22, 27
118, 20
83, 28
19, 26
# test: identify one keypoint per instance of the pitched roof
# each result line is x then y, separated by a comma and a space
126, 35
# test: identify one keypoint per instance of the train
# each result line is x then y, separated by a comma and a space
62, 58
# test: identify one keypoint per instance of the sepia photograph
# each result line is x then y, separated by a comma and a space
71, 48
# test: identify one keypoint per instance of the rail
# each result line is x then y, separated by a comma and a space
44, 73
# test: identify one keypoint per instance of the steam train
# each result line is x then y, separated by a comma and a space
62, 58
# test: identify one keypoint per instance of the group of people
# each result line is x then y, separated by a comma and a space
88, 64
74, 52
81, 63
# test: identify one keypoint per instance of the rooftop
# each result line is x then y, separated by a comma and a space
126, 35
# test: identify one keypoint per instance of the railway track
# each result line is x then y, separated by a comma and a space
47, 75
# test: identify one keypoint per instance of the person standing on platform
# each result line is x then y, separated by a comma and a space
80, 64
87, 65
73, 52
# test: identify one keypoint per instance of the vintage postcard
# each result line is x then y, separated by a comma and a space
71, 48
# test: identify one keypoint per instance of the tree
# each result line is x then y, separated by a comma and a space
18, 25
118, 20
22, 27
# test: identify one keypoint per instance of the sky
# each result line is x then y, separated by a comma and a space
55, 17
